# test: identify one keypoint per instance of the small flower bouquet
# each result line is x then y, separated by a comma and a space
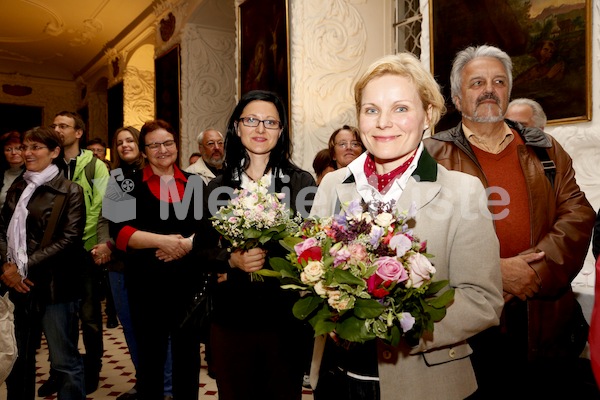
363, 274
255, 217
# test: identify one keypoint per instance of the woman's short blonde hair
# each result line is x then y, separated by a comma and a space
409, 66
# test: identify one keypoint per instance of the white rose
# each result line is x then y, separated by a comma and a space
312, 272
336, 301
421, 270
320, 289
384, 219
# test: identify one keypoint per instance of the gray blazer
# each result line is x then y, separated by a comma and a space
453, 217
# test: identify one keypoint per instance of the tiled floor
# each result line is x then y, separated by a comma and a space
117, 374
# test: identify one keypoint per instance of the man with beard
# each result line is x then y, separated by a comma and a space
208, 166
210, 145
543, 221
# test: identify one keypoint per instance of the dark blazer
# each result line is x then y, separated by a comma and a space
54, 269
240, 302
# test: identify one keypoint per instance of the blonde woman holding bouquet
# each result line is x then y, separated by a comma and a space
254, 336
397, 101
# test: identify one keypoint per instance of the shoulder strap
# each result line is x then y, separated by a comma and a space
547, 163
90, 171
56, 211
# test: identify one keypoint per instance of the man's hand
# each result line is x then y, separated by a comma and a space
518, 278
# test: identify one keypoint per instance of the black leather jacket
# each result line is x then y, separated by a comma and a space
55, 269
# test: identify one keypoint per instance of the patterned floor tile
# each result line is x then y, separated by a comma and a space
117, 375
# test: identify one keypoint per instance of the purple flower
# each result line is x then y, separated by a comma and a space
354, 209
401, 244
407, 321
375, 235
341, 255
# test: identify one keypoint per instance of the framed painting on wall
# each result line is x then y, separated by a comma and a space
264, 47
167, 70
549, 42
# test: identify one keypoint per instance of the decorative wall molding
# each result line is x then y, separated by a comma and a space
328, 45
163, 10
208, 82
138, 98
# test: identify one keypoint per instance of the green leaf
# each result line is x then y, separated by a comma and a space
344, 276
279, 263
442, 300
268, 272
395, 335
321, 321
323, 327
252, 233
289, 274
436, 286
437, 314
354, 330
304, 307
370, 308
289, 242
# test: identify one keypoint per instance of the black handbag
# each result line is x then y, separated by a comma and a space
201, 307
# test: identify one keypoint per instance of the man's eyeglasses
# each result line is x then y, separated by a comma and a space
62, 127
252, 122
347, 145
156, 145
35, 147
213, 144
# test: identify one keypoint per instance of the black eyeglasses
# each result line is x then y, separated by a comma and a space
252, 122
62, 127
156, 145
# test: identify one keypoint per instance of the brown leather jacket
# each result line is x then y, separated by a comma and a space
562, 220
55, 269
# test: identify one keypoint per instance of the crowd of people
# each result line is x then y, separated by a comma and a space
496, 198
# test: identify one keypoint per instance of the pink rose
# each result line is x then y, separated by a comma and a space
390, 269
358, 251
307, 244
421, 270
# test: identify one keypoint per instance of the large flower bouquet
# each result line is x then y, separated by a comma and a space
363, 274
254, 217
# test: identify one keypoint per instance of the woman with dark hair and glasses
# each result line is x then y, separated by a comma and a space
41, 265
160, 275
255, 340
344, 146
